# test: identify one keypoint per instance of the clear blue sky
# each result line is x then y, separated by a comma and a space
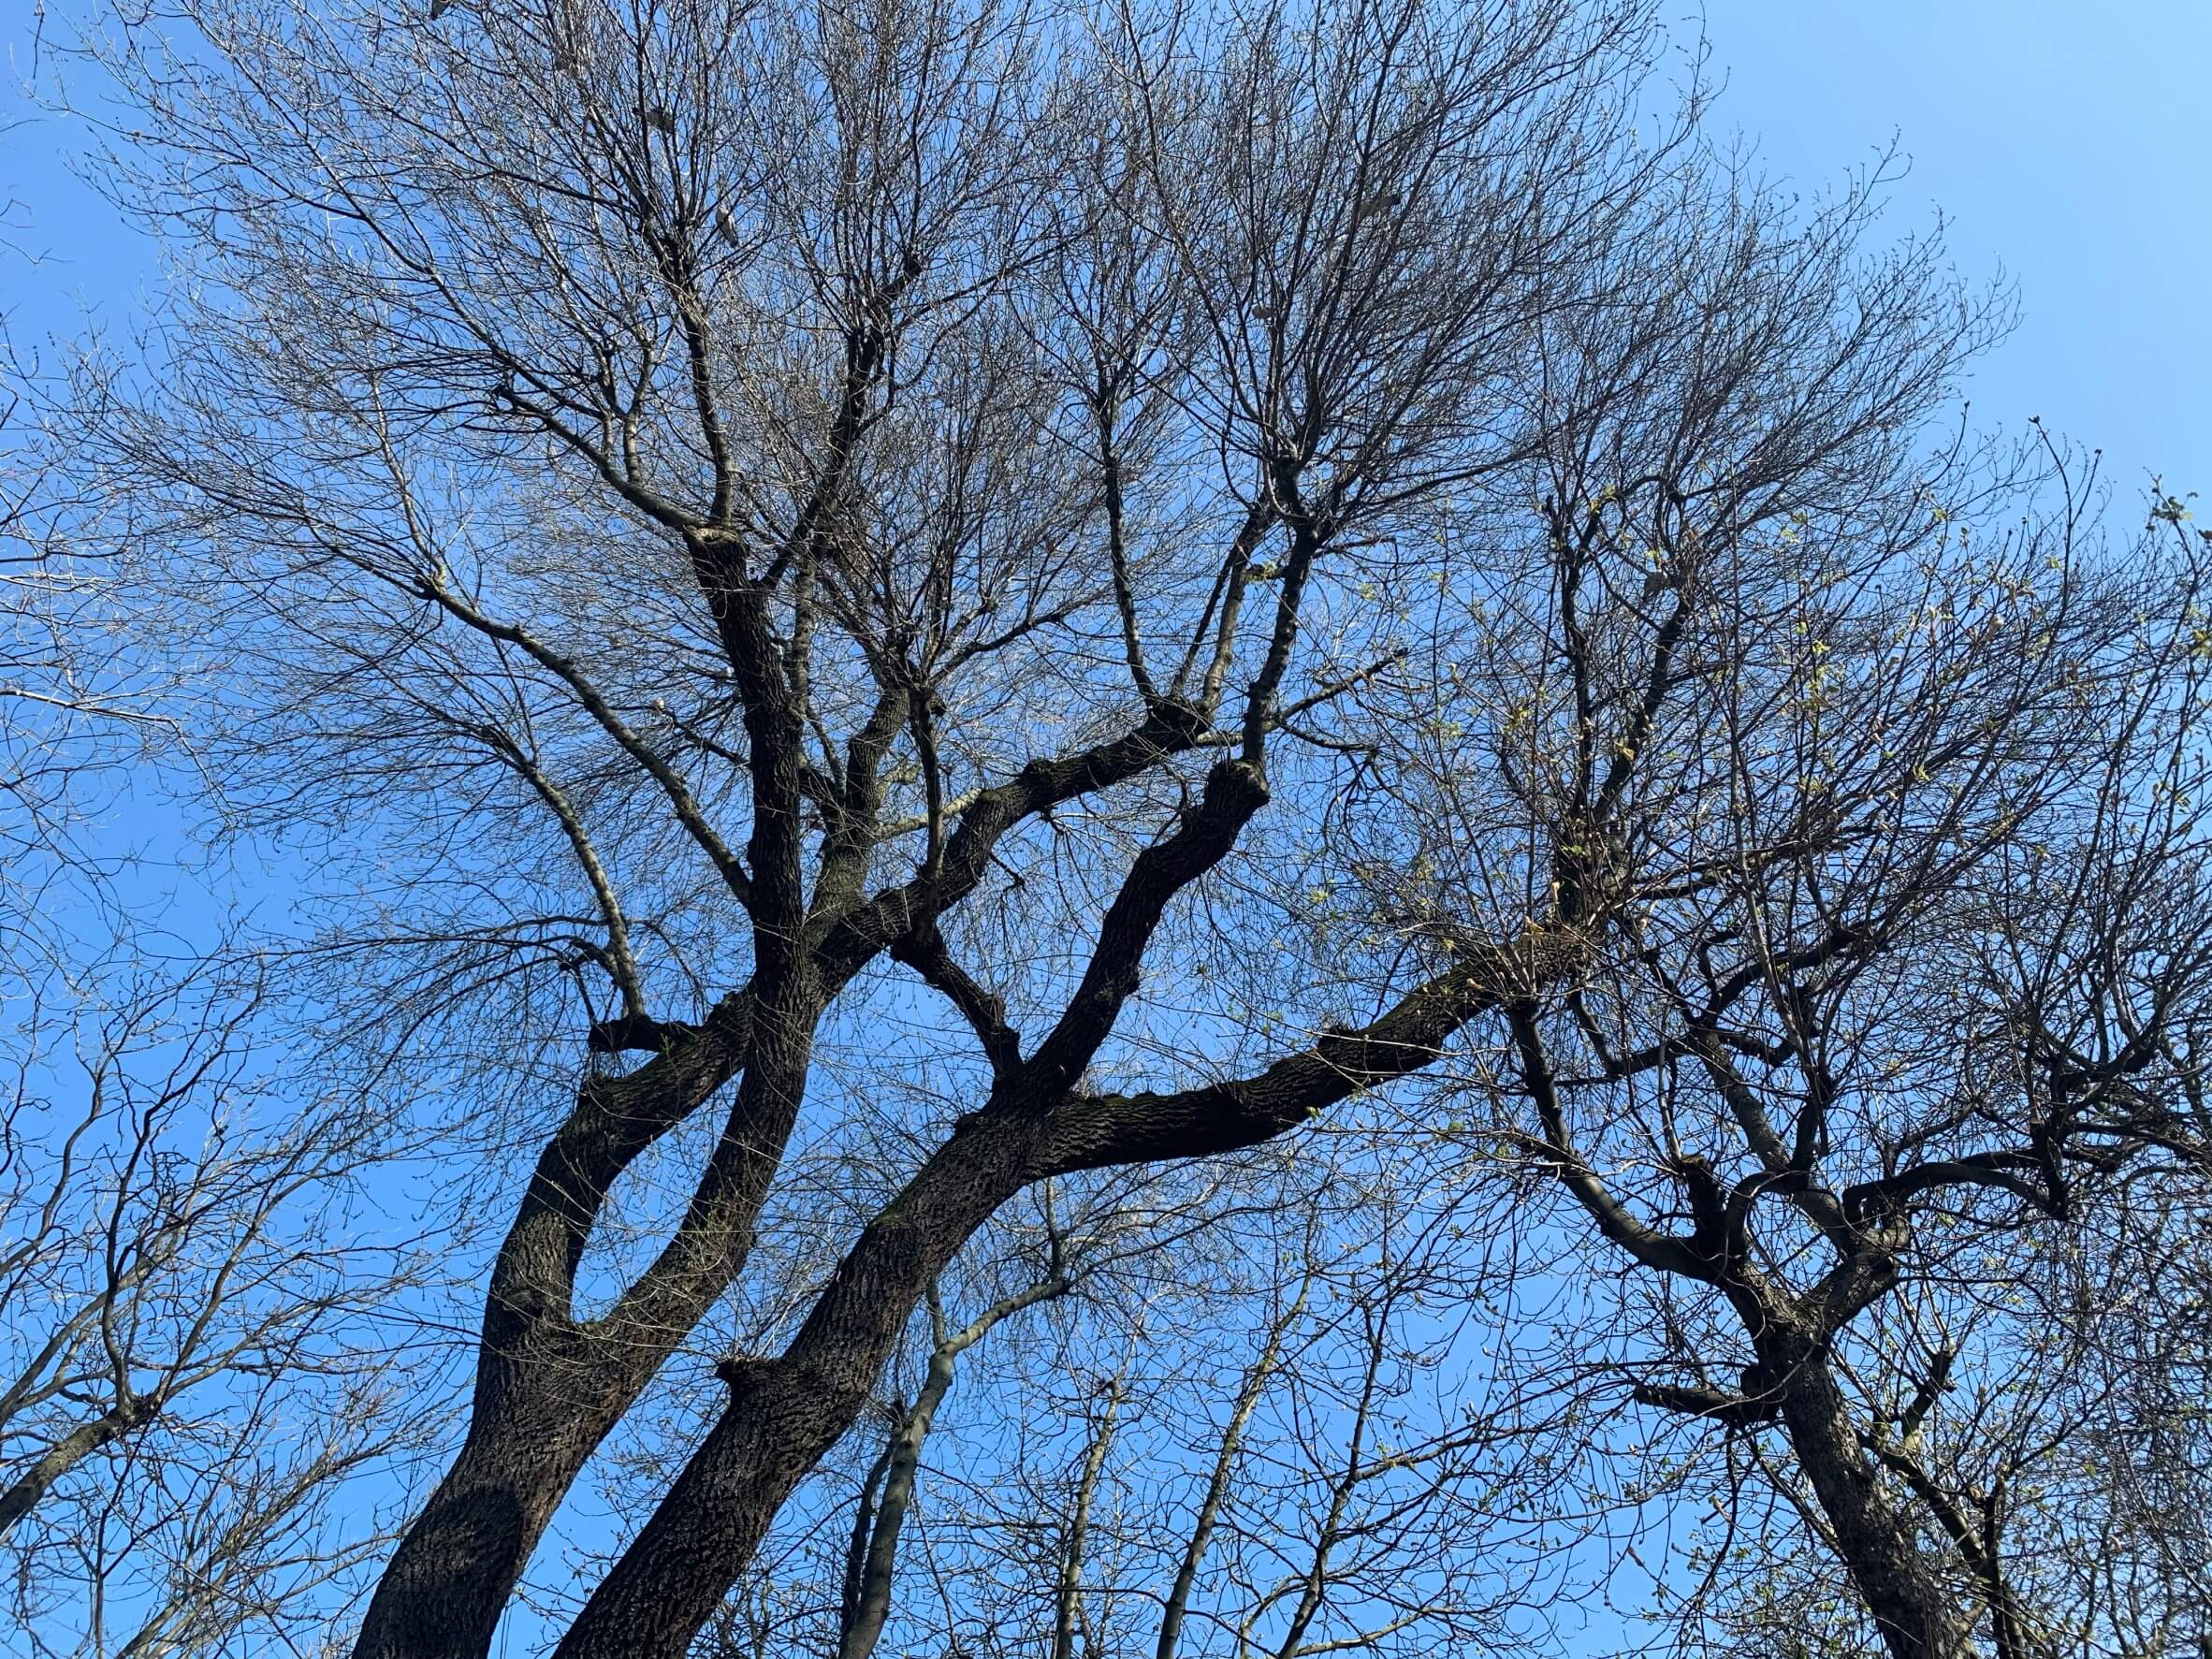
2069, 144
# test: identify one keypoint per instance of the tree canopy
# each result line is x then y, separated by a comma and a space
1193, 829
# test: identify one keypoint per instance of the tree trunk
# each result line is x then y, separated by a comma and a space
549, 1388
871, 1605
1067, 1608
1915, 1615
447, 1583
786, 1413
778, 1424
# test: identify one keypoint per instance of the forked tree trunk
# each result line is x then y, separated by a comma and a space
785, 1414
550, 1388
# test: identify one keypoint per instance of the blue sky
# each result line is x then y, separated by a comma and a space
2068, 145
2064, 144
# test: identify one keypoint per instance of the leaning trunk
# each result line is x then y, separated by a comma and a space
785, 1414
870, 1603
442, 1592
550, 1388
1916, 1616
21, 1497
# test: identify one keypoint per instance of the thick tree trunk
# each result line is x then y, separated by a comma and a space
536, 1421
1916, 1616
785, 1414
549, 1388
442, 1592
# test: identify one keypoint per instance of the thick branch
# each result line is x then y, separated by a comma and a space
1091, 1131
1235, 790
1737, 1411
848, 941
1981, 1169
983, 1011
64, 1454
613, 1121
1651, 1248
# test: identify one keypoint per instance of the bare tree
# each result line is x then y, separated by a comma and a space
185, 1386
887, 1494
1282, 1455
63, 700
1162, 571
186, 1382
1907, 979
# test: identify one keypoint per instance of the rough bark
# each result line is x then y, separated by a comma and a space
550, 1387
786, 1413
1916, 1616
